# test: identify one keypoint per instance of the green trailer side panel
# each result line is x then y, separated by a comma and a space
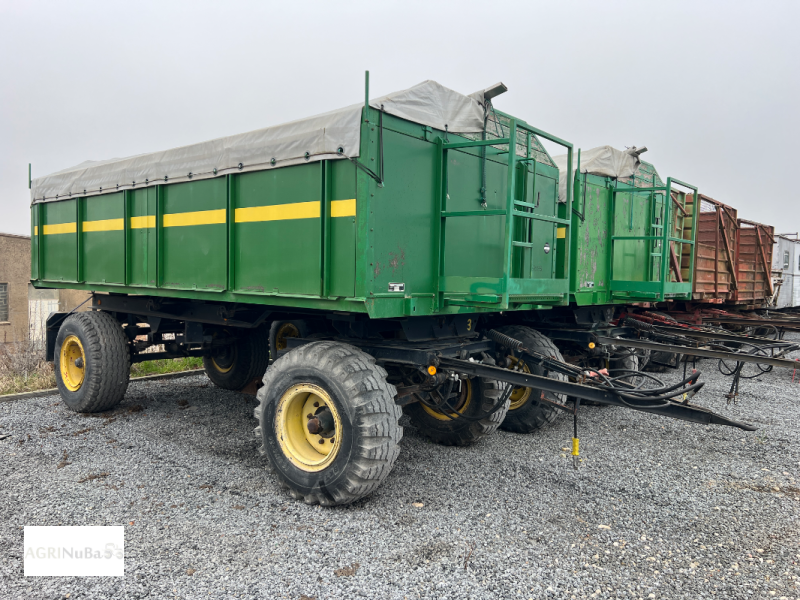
591, 243
401, 218
281, 251
287, 236
542, 190
631, 257
474, 245
142, 237
60, 241
193, 235
342, 276
103, 239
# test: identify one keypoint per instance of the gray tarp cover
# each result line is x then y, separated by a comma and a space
428, 103
603, 160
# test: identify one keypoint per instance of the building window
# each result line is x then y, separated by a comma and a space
3, 302
786, 260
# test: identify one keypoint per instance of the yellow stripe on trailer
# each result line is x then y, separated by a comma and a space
145, 222
103, 225
343, 208
561, 233
60, 228
200, 217
35, 230
278, 212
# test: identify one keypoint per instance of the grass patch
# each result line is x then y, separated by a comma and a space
22, 369
16, 384
167, 365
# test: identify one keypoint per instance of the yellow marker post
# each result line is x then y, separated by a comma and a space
575, 452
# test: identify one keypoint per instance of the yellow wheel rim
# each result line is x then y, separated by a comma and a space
519, 395
464, 398
307, 451
219, 368
72, 363
226, 361
286, 330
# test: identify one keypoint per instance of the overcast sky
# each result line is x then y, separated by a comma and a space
711, 88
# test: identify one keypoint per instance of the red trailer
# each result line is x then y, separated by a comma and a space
754, 244
715, 275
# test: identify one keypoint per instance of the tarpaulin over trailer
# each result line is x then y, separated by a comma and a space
605, 161
428, 103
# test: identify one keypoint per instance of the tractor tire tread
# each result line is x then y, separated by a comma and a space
374, 414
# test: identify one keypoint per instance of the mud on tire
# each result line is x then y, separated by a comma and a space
367, 422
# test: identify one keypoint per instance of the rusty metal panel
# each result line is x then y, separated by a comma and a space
715, 277
754, 245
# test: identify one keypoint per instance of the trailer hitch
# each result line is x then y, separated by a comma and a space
659, 405
670, 401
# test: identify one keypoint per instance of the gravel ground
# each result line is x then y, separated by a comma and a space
658, 509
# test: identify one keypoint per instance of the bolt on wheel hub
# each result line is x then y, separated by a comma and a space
72, 363
308, 427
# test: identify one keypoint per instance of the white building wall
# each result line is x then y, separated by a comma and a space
789, 294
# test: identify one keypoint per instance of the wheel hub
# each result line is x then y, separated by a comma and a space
72, 363
224, 358
321, 423
308, 427
460, 403
519, 395
286, 330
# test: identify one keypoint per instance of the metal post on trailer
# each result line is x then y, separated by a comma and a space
231, 230
126, 226
159, 236
438, 223
79, 203
665, 243
510, 191
326, 228
366, 96
717, 210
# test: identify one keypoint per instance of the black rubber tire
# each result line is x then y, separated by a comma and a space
364, 400
249, 358
458, 431
302, 331
651, 366
534, 415
644, 357
107, 362
628, 362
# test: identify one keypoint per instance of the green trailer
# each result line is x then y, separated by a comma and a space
391, 255
629, 241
